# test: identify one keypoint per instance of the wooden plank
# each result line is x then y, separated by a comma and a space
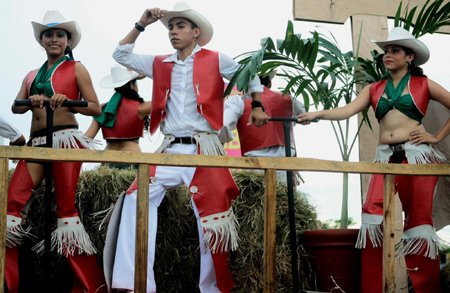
389, 235
141, 257
270, 223
3, 211
300, 164
371, 27
339, 11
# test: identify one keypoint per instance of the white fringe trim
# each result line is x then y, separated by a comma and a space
15, 231
372, 226
69, 237
104, 217
208, 142
69, 138
415, 154
420, 238
220, 231
167, 141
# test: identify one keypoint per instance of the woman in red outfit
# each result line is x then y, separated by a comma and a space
58, 80
125, 115
400, 102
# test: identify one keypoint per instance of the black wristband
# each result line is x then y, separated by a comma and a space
138, 27
256, 104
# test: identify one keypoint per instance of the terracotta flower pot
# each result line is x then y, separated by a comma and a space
334, 257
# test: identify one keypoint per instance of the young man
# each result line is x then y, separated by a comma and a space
267, 141
187, 104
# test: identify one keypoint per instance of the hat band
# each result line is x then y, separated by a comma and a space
52, 23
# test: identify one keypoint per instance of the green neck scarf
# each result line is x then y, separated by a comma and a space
393, 93
42, 83
109, 111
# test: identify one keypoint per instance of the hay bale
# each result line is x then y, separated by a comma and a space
445, 278
177, 253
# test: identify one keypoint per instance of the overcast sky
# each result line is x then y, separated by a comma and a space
238, 27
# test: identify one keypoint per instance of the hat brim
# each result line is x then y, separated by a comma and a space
107, 81
421, 52
71, 26
206, 29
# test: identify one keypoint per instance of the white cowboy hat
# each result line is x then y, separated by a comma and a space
54, 19
120, 75
272, 74
181, 9
401, 37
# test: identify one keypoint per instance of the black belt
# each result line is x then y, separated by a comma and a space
184, 140
398, 147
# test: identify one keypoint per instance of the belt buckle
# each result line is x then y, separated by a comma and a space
398, 147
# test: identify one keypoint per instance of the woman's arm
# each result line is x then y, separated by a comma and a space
22, 95
361, 102
93, 129
441, 95
84, 83
144, 109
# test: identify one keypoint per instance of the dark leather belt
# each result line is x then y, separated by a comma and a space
398, 147
184, 140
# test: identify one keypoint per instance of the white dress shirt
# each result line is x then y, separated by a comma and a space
8, 131
182, 117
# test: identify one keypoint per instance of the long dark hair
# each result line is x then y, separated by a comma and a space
129, 93
413, 69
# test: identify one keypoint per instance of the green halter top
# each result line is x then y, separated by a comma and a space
395, 100
42, 84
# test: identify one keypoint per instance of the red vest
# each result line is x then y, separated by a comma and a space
128, 125
271, 134
418, 87
63, 80
208, 86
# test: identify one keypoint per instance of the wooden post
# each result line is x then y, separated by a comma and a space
389, 234
3, 210
140, 270
270, 218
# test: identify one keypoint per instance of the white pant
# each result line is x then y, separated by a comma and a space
166, 177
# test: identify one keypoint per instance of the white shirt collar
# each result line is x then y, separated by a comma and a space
174, 56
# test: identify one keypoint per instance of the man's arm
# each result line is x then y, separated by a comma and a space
258, 116
9, 131
148, 17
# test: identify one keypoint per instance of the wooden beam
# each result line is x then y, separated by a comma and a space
389, 235
339, 11
141, 250
291, 164
270, 228
3, 210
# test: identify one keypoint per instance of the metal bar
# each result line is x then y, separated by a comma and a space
48, 202
68, 103
49, 183
291, 203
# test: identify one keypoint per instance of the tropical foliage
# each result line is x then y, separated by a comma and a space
317, 70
